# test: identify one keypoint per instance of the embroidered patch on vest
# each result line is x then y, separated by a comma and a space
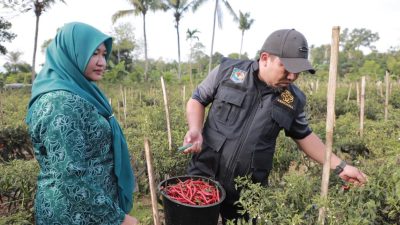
286, 98
238, 75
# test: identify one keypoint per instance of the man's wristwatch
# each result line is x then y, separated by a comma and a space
339, 168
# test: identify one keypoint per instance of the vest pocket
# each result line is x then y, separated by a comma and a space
228, 104
261, 166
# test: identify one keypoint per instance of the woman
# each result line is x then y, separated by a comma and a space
85, 173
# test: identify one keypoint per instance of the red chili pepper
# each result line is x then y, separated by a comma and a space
193, 192
345, 187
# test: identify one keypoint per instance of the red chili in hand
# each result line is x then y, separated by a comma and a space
345, 187
193, 192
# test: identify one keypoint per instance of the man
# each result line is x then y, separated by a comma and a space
252, 101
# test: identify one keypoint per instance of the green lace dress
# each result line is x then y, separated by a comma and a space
72, 143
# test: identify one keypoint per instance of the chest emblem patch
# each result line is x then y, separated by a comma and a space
286, 99
238, 75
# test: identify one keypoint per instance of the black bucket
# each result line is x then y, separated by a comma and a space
177, 213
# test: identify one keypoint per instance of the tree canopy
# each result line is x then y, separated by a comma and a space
5, 35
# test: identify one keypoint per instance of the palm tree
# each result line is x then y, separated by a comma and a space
179, 7
13, 59
140, 7
244, 24
191, 35
39, 7
217, 13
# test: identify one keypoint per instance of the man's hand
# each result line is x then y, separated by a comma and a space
194, 137
353, 175
130, 220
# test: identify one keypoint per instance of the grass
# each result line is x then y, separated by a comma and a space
142, 210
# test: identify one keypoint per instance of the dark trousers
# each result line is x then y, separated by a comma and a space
229, 211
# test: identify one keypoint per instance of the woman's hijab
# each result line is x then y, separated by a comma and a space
66, 59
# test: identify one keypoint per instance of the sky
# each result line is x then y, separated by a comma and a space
314, 18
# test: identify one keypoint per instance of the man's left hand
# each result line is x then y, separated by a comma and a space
353, 175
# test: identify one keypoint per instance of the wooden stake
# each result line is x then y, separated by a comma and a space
380, 89
348, 93
167, 114
330, 118
153, 192
358, 94
362, 105
387, 83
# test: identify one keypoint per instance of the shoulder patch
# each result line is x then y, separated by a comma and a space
238, 75
286, 98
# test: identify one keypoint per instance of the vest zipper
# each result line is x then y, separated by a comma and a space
232, 161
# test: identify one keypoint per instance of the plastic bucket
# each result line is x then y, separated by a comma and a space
177, 213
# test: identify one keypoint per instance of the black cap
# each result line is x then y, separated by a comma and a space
291, 47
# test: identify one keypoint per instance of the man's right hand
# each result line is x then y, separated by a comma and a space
196, 138
130, 220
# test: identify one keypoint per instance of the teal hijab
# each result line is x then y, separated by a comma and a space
66, 59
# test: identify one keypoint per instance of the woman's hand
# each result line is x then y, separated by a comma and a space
130, 220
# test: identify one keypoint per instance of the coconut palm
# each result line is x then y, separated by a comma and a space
244, 24
191, 35
38, 7
140, 7
13, 59
217, 14
179, 7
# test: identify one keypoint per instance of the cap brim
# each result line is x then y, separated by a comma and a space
297, 65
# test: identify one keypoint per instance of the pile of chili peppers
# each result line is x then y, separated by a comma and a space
193, 192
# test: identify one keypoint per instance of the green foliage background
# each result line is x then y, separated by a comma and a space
293, 196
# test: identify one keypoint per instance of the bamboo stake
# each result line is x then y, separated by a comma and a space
330, 117
362, 104
349, 92
150, 171
167, 114
310, 86
358, 94
387, 83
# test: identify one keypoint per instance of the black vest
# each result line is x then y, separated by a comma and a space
243, 123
